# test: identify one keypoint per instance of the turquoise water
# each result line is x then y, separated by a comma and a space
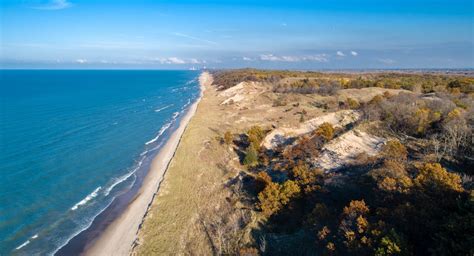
72, 140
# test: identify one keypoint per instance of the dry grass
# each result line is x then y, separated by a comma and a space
193, 195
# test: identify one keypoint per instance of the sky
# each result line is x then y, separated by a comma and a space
297, 34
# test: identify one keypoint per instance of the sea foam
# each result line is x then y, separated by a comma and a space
124, 177
87, 198
163, 108
23, 245
163, 129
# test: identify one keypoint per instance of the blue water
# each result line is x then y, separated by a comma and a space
72, 140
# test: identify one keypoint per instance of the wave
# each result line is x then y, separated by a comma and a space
163, 108
123, 177
23, 245
82, 228
175, 114
163, 128
35, 236
87, 198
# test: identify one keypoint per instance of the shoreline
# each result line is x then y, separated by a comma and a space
120, 235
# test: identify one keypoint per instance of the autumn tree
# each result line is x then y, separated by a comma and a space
354, 226
392, 177
306, 178
275, 196
434, 177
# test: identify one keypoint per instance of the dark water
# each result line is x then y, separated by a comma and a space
71, 141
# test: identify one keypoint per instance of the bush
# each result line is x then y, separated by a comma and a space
325, 130
251, 157
394, 150
255, 136
352, 103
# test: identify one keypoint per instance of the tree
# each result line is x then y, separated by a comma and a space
434, 177
251, 157
306, 178
325, 130
275, 196
391, 244
354, 225
392, 177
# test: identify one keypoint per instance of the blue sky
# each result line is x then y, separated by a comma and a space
229, 34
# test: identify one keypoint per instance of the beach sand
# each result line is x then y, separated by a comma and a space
119, 236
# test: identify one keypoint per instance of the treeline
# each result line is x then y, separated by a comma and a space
312, 82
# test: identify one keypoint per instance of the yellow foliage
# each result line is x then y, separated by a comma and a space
434, 176
356, 206
275, 196
394, 150
325, 130
362, 224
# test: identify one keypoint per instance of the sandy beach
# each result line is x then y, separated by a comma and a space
119, 236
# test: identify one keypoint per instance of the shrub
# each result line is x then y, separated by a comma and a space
352, 103
251, 157
325, 130
255, 136
394, 150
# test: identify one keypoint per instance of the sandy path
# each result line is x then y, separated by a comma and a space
119, 236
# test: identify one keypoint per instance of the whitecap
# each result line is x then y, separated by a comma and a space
35, 236
86, 199
123, 178
175, 114
163, 108
162, 130
23, 245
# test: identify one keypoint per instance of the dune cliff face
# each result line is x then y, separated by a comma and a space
286, 162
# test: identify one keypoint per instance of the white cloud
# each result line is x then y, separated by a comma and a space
176, 60
354, 53
386, 61
53, 5
340, 54
271, 57
81, 61
195, 38
247, 58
